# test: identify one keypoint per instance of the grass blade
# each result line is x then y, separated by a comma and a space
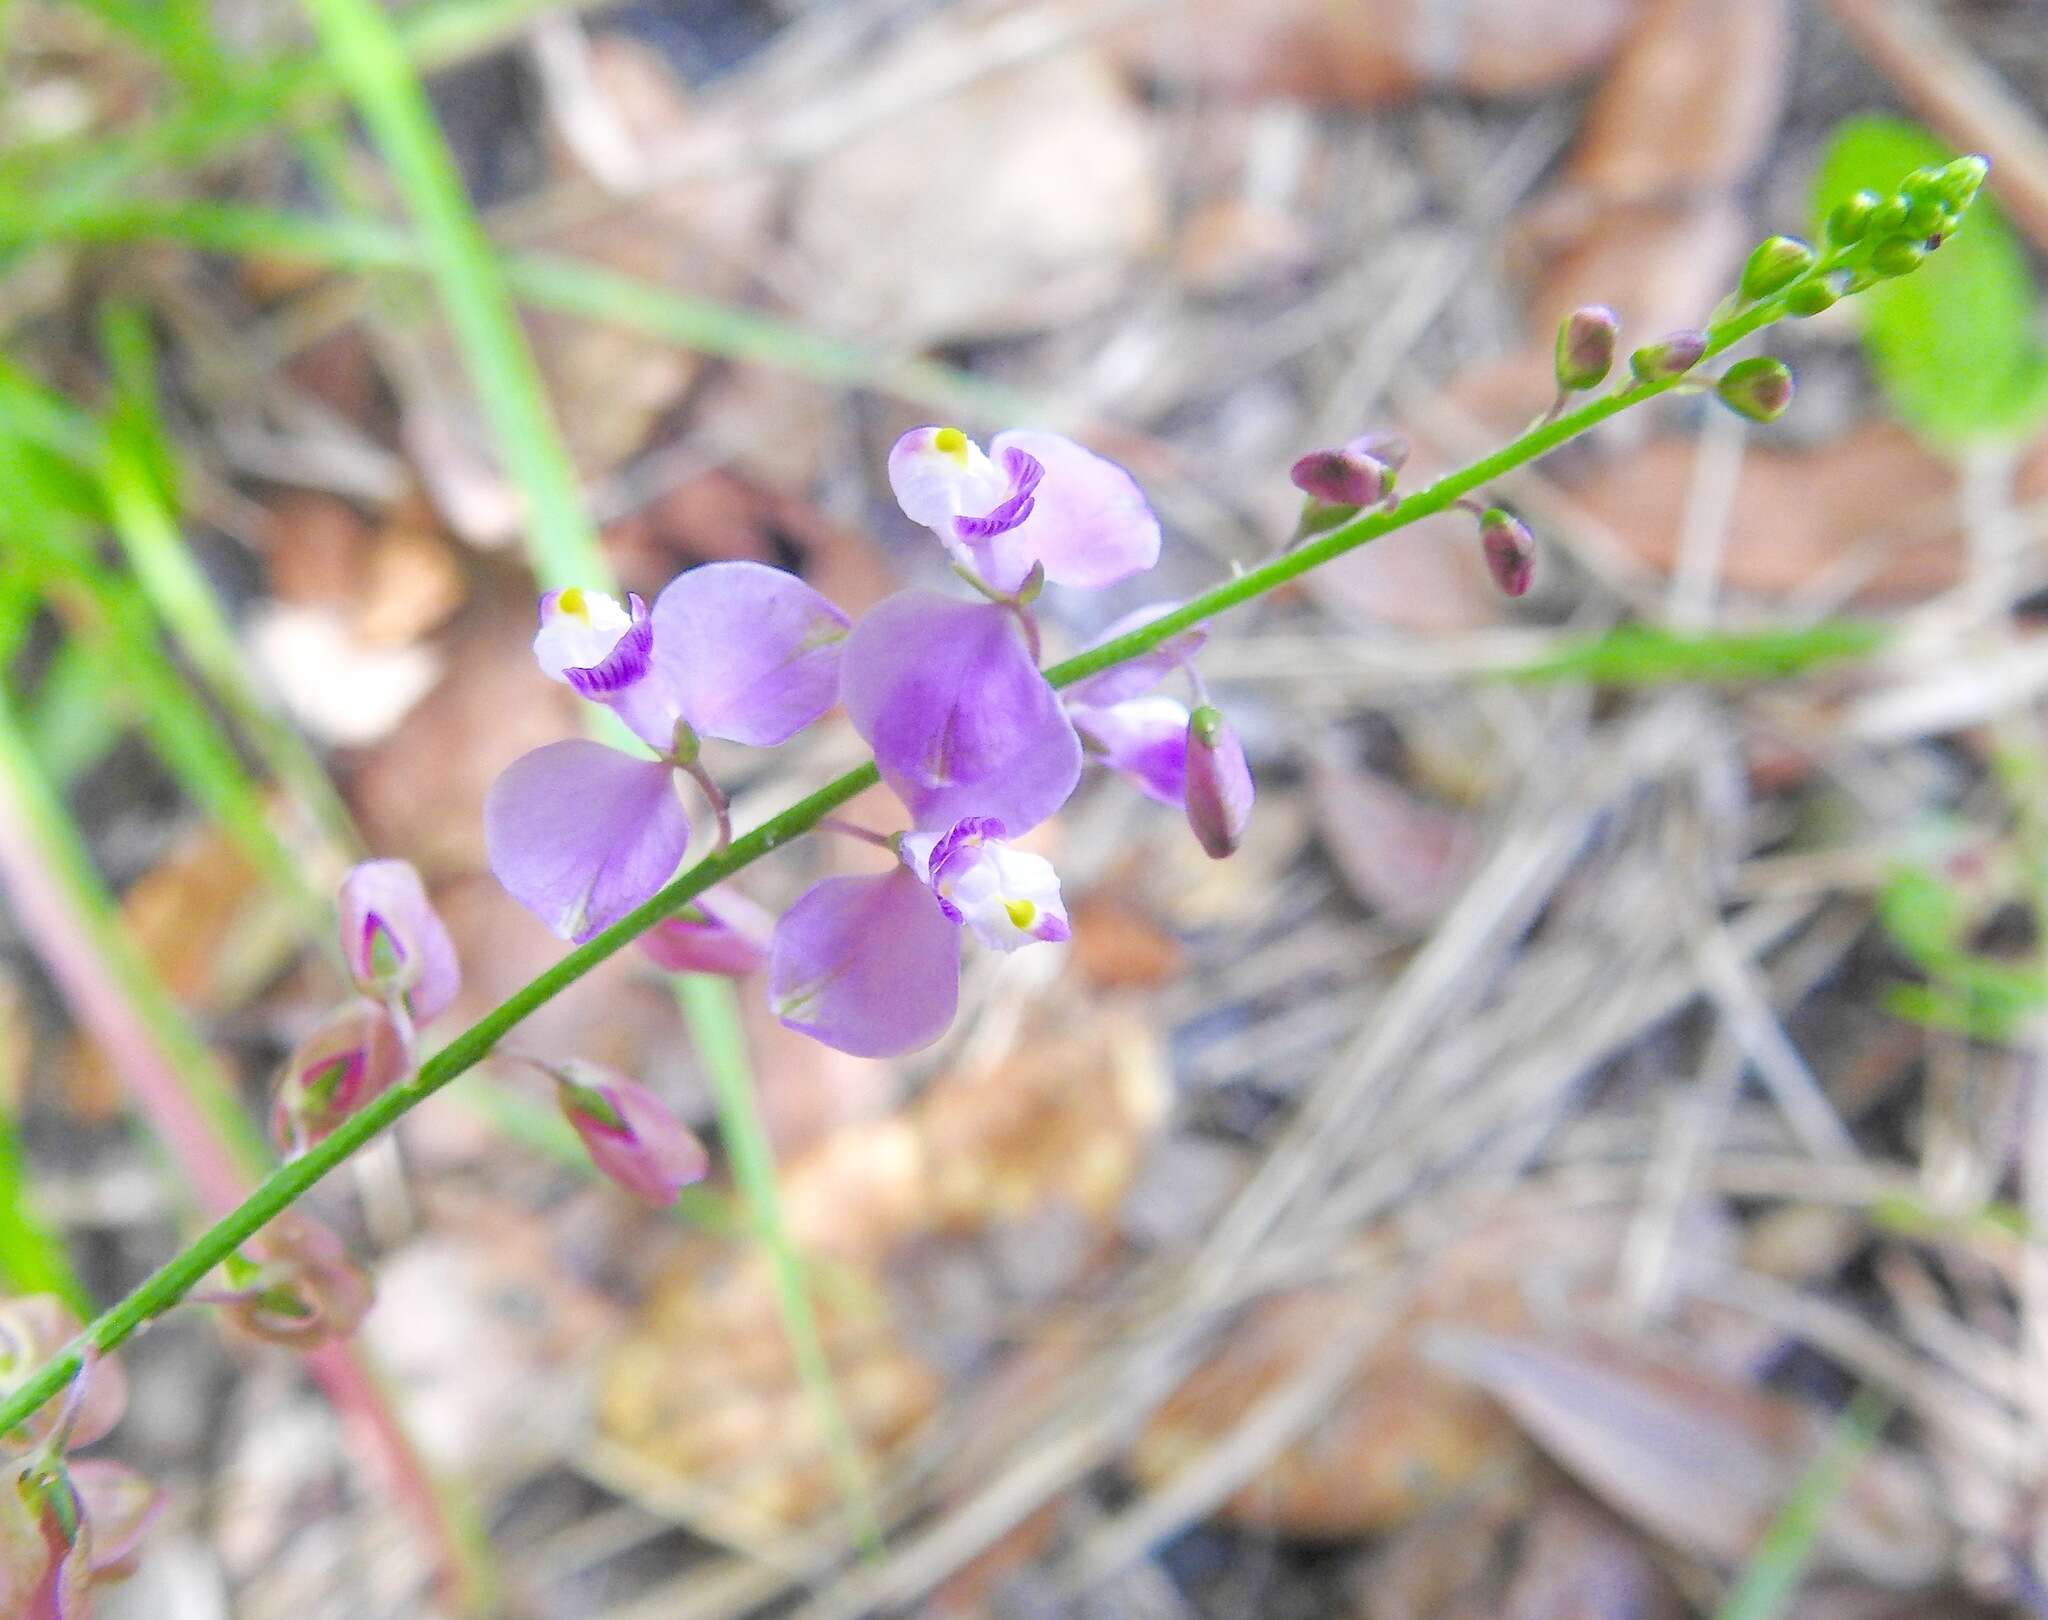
712, 1011
371, 60
1770, 1581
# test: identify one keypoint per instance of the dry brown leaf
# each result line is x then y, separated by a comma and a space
704, 1387
1368, 52
1874, 510
1399, 854
1117, 946
1018, 203
1404, 1437
1701, 1462
1689, 105
1658, 267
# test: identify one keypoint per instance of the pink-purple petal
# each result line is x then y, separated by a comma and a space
730, 938
869, 965
1140, 674
1144, 739
386, 900
961, 721
750, 652
1089, 523
641, 1146
580, 834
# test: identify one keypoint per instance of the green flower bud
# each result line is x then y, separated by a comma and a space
1926, 217
1897, 257
1960, 180
1758, 389
1920, 183
1851, 217
1811, 297
1777, 262
1585, 346
1888, 218
1668, 357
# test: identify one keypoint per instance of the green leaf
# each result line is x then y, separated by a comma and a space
1956, 345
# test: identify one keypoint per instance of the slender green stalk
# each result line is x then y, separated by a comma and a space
712, 1009
175, 1279
370, 57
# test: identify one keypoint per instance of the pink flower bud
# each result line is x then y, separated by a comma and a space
66, 1528
630, 1136
1585, 346
1510, 550
393, 939
1220, 787
1341, 477
304, 1289
729, 935
355, 1056
32, 1330
1668, 357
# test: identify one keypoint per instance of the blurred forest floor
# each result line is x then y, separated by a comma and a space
1487, 1194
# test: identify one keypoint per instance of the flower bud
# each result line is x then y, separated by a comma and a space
1898, 256
303, 1291
355, 1056
1668, 357
630, 1136
1777, 262
1888, 218
394, 941
1959, 181
1926, 218
1811, 297
66, 1528
722, 932
1585, 346
1510, 550
32, 1330
1758, 388
1219, 783
1851, 217
1340, 477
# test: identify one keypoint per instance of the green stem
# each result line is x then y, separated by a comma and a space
288, 1183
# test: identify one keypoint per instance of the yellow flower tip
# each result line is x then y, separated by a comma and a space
571, 602
950, 442
1022, 912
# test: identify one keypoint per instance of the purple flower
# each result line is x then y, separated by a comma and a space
356, 1055
580, 833
1141, 735
871, 965
729, 935
961, 721
1035, 498
629, 1135
394, 942
1219, 783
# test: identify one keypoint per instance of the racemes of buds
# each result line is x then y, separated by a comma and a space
1586, 340
629, 1135
1758, 389
301, 1289
1670, 356
67, 1525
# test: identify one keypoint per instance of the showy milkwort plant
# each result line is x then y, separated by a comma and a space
978, 743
